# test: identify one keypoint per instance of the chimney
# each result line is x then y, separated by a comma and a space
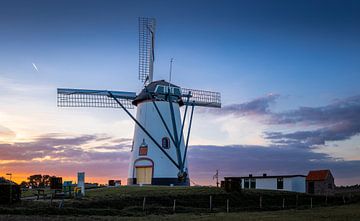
264, 174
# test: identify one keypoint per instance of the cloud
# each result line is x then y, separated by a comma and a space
258, 106
56, 154
6, 133
337, 121
241, 160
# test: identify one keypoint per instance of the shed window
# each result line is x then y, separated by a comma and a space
246, 183
280, 183
165, 143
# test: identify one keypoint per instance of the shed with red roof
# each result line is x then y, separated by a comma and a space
320, 182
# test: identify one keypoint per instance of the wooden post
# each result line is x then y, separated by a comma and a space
260, 202
174, 206
297, 199
227, 206
144, 201
283, 204
344, 199
210, 203
326, 200
311, 203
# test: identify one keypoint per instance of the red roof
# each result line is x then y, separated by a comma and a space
317, 175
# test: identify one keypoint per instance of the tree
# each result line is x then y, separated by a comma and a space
35, 180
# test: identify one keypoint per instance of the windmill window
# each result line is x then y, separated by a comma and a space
143, 150
165, 143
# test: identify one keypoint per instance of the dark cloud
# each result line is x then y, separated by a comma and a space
56, 154
236, 160
337, 121
241, 160
258, 106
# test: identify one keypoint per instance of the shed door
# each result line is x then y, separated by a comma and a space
143, 175
311, 187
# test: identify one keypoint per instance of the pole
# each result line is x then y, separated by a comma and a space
326, 200
144, 201
10, 198
174, 206
188, 135
227, 206
210, 204
260, 202
311, 203
283, 204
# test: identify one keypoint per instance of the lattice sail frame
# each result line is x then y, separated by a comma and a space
93, 98
146, 49
203, 98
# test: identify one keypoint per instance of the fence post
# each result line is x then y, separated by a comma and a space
144, 201
283, 204
297, 199
344, 199
260, 202
311, 203
326, 200
227, 205
174, 206
210, 203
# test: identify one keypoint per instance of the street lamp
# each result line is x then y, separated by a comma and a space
10, 174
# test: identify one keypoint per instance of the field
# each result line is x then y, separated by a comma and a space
157, 203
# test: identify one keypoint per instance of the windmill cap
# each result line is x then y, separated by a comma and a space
147, 93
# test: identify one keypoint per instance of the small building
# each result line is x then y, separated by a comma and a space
9, 191
320, 182
294, 183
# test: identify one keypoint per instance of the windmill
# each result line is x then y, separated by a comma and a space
159, 149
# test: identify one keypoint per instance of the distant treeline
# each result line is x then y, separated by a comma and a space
36, 181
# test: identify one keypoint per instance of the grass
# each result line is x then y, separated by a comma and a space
128, 201
337, 213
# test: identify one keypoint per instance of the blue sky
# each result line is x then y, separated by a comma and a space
276, 56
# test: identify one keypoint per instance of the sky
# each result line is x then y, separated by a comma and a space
288, 73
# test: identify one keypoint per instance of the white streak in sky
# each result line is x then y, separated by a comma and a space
35, 67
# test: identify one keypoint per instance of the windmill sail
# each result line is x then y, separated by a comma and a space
146, 49
203, 98
93, 98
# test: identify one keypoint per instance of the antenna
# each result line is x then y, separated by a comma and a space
146, 49
171, 61
216, 176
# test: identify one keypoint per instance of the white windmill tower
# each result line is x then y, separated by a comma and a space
158, 154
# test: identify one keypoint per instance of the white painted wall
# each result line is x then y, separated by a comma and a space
299, 184
266, 183
294, 184
147, 115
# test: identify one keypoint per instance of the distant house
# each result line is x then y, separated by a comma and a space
320, 182
294, 183
9, 191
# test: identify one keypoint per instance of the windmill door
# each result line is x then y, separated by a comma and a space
143, 175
